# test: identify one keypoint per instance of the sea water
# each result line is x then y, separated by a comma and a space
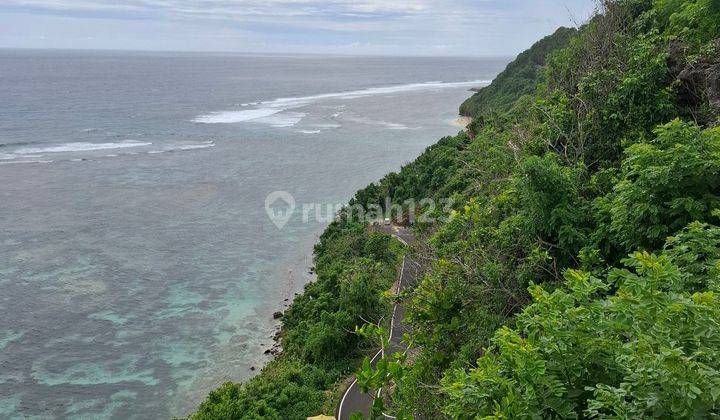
138, 267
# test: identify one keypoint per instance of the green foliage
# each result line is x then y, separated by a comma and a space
581, 151
696, 21
354, 268
665, 184
286, 389
648, 350
430, 175
601, 102
331, 307
555, 210
387, 368
697, 249
567, 185
520, 78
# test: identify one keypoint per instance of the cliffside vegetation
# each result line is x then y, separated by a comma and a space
354, 269
521, 77
576, 276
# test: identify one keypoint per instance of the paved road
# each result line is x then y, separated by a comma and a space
354, 400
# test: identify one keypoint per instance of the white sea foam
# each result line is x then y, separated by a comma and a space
309, 131
265, 109
227, 117
25, 161
393, 126
80, 147
386, 124
412, 87
197, 146
182, 147
286, 119
327, 126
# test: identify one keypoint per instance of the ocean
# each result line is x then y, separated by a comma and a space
138, 266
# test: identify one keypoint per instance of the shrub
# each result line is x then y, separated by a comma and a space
665, 184
650, 349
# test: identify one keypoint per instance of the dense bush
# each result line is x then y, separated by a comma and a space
697, 21
649, 349
585, 149
664, 184
607, 161
286, 389
354, 269
520, 78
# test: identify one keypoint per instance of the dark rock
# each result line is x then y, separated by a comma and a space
277, 315
699, 82
692, 81
677, 57
268, 351
252, 367
713, 89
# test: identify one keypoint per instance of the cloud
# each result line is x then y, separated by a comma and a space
229, 8
233, 9
475, 27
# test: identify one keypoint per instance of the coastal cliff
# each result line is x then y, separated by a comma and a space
521, 77
575, 270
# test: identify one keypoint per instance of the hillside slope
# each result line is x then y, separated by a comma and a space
577, 273
583, 218
519, 78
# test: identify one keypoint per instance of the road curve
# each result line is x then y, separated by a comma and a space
354, 400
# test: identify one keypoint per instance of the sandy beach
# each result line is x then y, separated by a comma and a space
462, 122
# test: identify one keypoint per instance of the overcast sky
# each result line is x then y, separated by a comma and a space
383, 27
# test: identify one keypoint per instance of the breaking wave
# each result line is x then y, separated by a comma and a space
269, 112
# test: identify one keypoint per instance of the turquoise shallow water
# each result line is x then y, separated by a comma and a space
138, 268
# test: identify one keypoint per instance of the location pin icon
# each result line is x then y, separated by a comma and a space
280, 206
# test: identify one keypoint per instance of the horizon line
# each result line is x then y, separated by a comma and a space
250, 53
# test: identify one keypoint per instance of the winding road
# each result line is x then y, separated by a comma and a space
354, 400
